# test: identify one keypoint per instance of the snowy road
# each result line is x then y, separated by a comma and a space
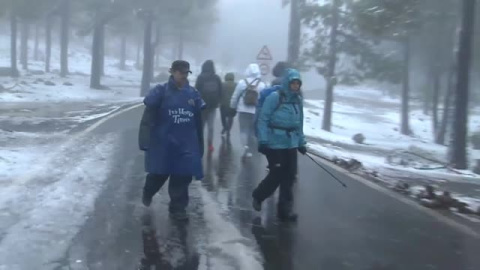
356, 228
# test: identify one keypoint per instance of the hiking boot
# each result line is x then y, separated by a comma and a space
179, 216
257, 205
146, 200
285, 212
287, 217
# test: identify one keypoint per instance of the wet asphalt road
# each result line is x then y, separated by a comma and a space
357, 228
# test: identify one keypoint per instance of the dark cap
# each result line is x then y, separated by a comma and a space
182, 66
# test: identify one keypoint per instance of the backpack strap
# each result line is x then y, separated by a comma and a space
281, 100
258, 82
250, 84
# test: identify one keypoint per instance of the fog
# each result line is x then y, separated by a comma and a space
245, 26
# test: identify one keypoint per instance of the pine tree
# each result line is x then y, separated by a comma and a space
459, 155
393, 21
337, 39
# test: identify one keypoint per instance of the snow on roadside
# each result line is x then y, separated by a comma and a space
380, 127
225, 240
386, 153
14, 161
40, 218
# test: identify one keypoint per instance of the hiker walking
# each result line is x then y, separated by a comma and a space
280, 136
227, 113
172, 139
278, 71
244, 101
209, 85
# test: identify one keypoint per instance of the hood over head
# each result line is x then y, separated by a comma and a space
208, 67
230, 77
280, 68
289, 76
253, 71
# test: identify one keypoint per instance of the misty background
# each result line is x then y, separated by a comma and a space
423, 52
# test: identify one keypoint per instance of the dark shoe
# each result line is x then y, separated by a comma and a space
257, 205
290, 217
179, 216
146, 200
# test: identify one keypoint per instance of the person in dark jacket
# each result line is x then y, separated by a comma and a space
175, 146
209, 85
226, 112
278, 72
280, 136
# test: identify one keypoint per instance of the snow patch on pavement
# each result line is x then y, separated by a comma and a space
225, 240
17, 161
42, 218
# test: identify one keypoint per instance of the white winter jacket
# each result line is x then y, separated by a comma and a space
252, 73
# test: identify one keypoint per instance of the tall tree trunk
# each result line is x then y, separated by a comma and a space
294, 33
13, 44
157, 44
157, 59
102, 52
123, 52
332, 62
426, 102
447, 102
459, 154
24, 45
65, 31
147, 57
37, 41
405, 127
96, 73
180, 44
435, 99
48, 43
139, 52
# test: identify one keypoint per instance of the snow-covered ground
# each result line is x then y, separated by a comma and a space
385, 151
48, 197
50, 175
34, 86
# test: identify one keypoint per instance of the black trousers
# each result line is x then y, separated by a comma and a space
227, 118
177, 189
282, 164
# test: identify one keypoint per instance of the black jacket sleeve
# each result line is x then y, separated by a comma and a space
199, 83
220, 87
199, 126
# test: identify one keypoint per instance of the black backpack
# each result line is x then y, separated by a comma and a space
210, 91
250, 98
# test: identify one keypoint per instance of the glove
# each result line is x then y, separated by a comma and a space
302, 150
263, 149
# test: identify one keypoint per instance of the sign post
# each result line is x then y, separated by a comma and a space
264, 59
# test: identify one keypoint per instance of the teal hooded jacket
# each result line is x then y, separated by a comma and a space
280, 121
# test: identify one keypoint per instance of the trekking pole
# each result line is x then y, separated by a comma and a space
319, 165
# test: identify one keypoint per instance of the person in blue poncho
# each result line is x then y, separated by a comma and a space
280, 137
175, 145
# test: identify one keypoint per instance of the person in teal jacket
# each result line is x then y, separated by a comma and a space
280, 137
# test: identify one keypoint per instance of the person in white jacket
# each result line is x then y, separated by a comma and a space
242, 101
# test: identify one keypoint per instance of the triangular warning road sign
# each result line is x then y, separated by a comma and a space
264, 54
